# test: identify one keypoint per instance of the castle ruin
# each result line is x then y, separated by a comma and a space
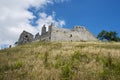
54, 33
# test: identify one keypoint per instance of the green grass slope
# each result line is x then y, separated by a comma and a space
61, 61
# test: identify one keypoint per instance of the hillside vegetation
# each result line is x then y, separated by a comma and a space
61, 61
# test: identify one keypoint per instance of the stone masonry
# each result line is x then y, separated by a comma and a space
25, 37
54, 33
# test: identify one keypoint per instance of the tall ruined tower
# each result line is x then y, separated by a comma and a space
43, 30
50, 28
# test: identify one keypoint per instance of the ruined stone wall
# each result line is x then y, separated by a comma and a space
45, 37
58, 34
25, 37
77, 34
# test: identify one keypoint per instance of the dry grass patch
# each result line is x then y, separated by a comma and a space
61, 61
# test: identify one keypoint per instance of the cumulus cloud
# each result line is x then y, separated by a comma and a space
14, 18
48, 19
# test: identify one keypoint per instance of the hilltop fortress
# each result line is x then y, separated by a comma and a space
54, 33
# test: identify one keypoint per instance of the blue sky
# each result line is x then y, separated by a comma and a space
95, 15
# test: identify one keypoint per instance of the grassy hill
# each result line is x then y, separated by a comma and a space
61, 61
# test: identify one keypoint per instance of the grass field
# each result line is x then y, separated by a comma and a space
61, 61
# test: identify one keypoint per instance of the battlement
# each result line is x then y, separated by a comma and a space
79, 28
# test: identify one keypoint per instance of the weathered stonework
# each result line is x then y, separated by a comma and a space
25, 37
78, 33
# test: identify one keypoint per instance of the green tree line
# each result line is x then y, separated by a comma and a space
108, 36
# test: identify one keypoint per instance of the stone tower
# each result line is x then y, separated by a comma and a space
25, 37
50, 28
43, 30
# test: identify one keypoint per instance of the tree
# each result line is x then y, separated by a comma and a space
101, 35
108, 36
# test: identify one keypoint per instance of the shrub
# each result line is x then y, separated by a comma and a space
67, 72
18, 65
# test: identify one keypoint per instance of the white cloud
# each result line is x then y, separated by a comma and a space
14, 18
48, 19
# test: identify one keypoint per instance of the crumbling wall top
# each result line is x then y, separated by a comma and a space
25, 37
79, 28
